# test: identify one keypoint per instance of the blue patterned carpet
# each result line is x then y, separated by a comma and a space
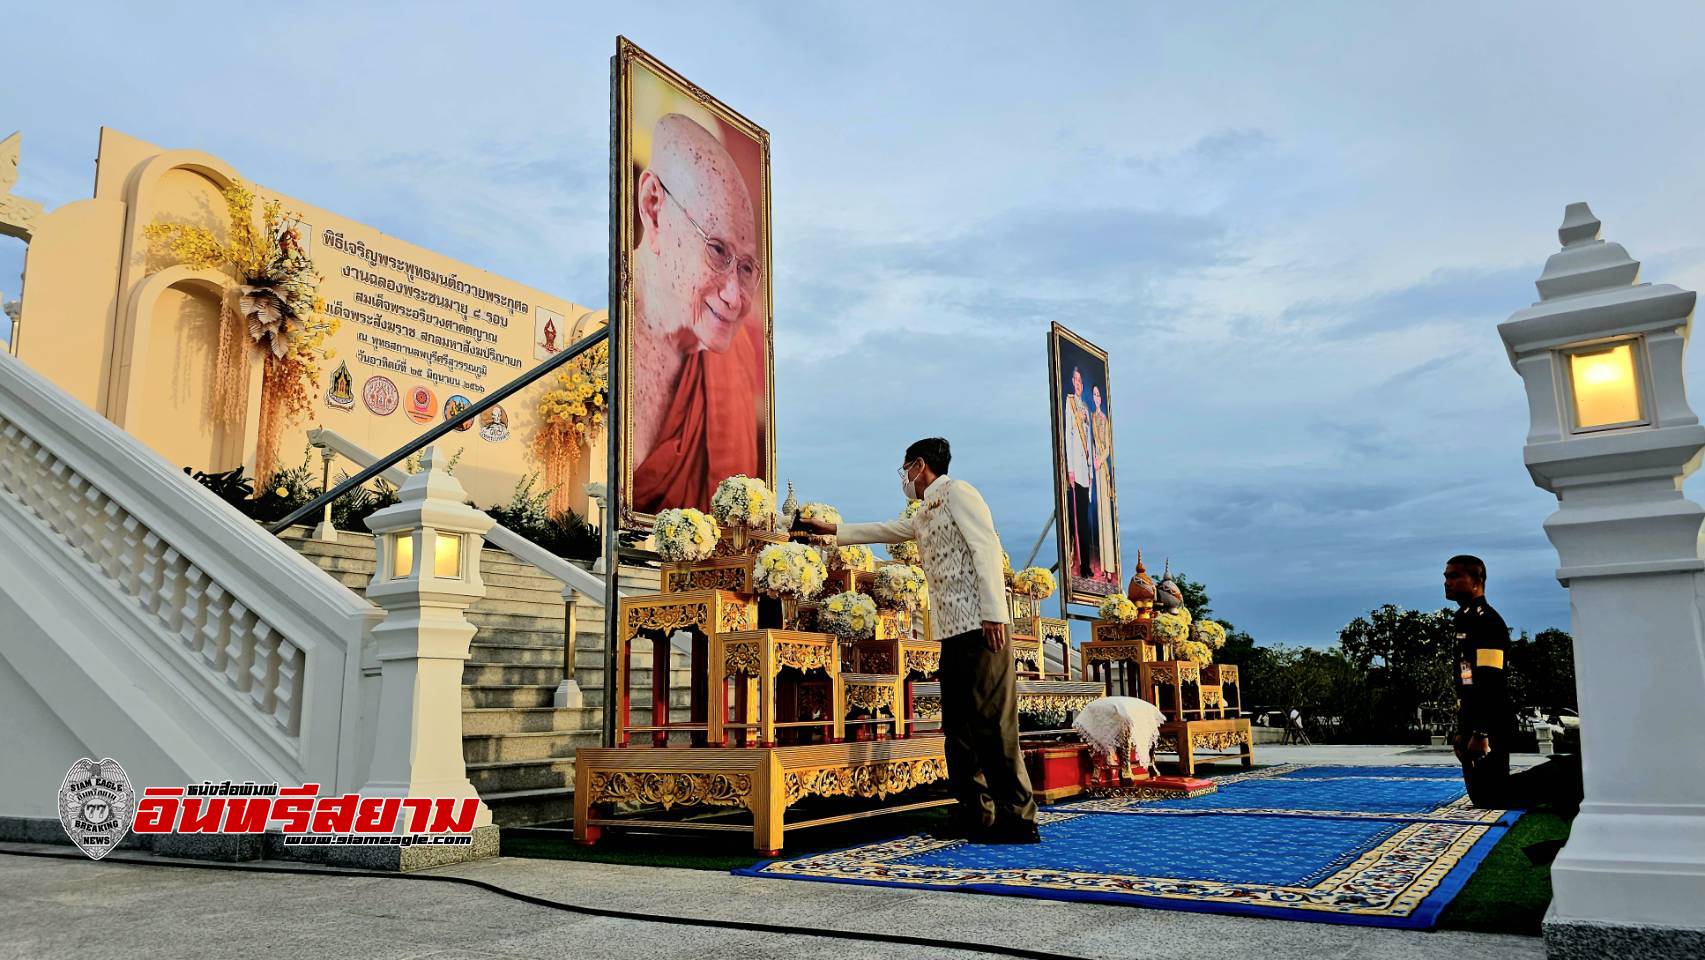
1385, 846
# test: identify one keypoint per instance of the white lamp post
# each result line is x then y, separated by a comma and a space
428, 574
1613, 437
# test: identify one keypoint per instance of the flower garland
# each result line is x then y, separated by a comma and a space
1210, 633
907, 552
856, 558
1117, 608
744, 501
901, 586
685, 535
277, 294
789, 569
1034, 582
570, 415
851, 616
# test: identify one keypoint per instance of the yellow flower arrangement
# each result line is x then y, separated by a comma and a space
789, 569
1117, 608
819, 511
685, 535
851, 616
856, 558
901, 586
1006, 567
1196, 651
1034, 582
744, 501
1210, 633
1171, 627
570, 415
277, 293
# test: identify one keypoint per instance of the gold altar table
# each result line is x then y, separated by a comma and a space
768, 782
760, 656
708, 614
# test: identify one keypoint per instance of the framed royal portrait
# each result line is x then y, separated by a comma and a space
1086, 498
691, 281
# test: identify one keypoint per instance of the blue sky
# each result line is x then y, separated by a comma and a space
1295, 229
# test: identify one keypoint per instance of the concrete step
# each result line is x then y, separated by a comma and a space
543, 695
501, 776
490, 674
489, 721
545, 745
514, 808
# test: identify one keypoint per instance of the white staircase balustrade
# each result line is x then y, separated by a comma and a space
153, 623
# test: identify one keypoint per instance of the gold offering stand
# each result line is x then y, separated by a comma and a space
777, 711
1202, 705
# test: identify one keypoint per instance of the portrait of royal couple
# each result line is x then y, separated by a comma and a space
1088, 438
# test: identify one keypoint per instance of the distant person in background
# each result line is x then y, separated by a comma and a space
1294, 730
1486, 718
698, 401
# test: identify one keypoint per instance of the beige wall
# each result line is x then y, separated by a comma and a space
134, 336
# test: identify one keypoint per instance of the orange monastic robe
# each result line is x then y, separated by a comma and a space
711, 430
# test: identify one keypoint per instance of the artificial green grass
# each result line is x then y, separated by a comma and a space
1508, 893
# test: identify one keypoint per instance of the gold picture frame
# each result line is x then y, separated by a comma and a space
630, 65
1067, 348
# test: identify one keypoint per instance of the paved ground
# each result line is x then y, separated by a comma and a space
78, 908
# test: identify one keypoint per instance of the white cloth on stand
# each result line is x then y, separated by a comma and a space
1126, 726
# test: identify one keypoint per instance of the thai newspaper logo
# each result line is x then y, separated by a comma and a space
95, 805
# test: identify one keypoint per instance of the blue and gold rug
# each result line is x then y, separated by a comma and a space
1382, 846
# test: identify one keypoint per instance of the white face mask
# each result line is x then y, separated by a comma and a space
908, 487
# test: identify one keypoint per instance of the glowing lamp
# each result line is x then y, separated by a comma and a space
1605, 386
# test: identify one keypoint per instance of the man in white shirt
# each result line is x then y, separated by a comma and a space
961, 556
1080, 476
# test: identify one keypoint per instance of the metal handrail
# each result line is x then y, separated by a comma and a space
573, 577
408, 449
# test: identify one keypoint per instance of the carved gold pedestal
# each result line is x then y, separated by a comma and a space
873, 693
767, 782
1222, 741
706, 613
759, 656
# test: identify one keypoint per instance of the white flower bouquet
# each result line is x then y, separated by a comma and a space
790, 570
744, 501
856, 558
908, 551
851, 616
1118, 608
685, 535
901, 586
1034, 582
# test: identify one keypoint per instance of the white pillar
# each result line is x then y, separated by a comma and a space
326, 532
600, 495
1631, 880
428, 574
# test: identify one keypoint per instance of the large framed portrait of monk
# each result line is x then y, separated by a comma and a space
691, 197
1087, 503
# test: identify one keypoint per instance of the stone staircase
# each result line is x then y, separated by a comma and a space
518, 747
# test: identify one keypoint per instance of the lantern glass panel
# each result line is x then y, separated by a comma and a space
447, 556
402, 554
1606, 387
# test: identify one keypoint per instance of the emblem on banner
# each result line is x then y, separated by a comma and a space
422, 404
341, 396
96, 804
494, 424
454, 406
547, 333
380, 395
